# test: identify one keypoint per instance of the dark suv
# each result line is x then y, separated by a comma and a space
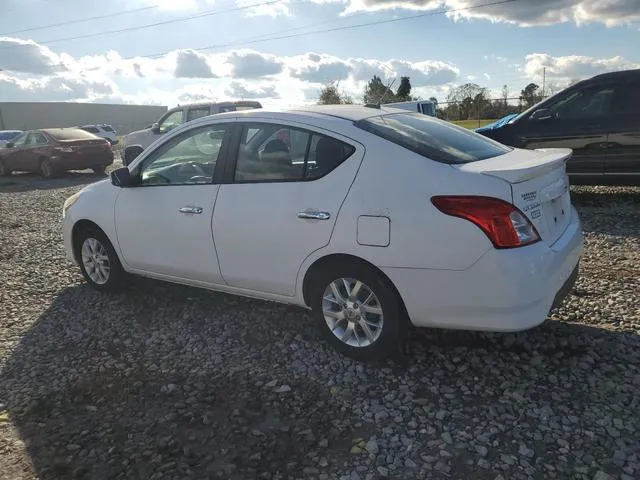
598, 118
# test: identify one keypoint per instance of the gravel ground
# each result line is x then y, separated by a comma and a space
171, 382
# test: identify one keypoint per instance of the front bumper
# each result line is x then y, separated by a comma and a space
505, 290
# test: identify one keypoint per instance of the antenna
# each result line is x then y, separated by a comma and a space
389, 85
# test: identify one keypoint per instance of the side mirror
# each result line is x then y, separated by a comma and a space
9, 145
541, 114
155, 128
122, 178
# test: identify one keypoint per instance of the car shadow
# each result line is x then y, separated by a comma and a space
25, 182
173, 379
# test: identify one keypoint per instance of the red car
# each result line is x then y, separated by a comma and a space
50, 151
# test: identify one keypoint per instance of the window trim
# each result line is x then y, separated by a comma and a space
218, 171
234, 148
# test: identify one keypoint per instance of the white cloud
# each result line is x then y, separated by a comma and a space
174, 5
250, 64
190, 64
572, 66
242, 90
188, 75
29, 57
521, 12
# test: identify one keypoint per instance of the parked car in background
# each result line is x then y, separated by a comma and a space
370, 217
497, 124
8, 135
102, 130
422, 106
598, 118
51, 151
135, 142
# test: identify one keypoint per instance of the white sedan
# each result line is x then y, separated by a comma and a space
375, 219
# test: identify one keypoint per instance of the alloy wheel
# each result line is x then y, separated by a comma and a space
95, 260
352, 312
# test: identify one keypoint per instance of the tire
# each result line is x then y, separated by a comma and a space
4, 171
46, 168
380, 342
91, 246
99, 170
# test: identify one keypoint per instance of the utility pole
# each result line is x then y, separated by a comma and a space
544, 78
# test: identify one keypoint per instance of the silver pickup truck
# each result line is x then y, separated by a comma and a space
135, 142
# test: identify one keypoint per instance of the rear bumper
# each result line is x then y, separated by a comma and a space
505, 290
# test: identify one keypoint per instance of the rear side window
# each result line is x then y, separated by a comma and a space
432, 138
280, 153
108, 128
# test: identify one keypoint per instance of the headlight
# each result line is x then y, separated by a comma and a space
70, 201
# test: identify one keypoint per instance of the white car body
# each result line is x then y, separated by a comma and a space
249, 239
421, 106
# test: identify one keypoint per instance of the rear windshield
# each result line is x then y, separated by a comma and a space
108, 128
432, 138
70, 134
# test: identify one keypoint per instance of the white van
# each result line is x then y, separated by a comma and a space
135, 142
421, 106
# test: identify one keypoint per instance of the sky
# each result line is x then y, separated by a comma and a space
282, 52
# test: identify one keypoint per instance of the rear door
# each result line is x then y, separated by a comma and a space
623, 152
288, 183
579, 122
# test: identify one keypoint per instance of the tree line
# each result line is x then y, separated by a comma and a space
464, 102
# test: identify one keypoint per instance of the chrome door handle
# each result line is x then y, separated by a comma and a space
314, 215
190, 210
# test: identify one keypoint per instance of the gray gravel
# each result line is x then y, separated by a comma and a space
171, 382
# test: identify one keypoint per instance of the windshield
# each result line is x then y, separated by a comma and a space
433, 138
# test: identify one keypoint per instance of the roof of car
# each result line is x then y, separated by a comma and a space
344, 112
621, 74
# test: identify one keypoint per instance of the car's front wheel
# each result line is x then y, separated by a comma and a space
99, 170
98, 260
358, 310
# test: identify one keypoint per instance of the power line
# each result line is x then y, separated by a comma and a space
80, 20
328, 30
208, 13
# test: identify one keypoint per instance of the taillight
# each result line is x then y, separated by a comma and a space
502, 222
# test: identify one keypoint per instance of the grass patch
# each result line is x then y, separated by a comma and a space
471, 124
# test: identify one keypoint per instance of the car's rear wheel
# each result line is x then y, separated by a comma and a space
3, 169
98, 260
46, 168
358, 310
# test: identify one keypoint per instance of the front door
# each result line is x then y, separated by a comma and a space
579, 122
288, 186
15, 156
164, 224
623, 152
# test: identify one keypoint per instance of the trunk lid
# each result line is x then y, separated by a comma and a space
539, 186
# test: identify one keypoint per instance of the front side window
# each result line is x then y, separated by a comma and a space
91, 129
171, 121
277, 153
199, 112
188, 159
591, 102
432, 138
